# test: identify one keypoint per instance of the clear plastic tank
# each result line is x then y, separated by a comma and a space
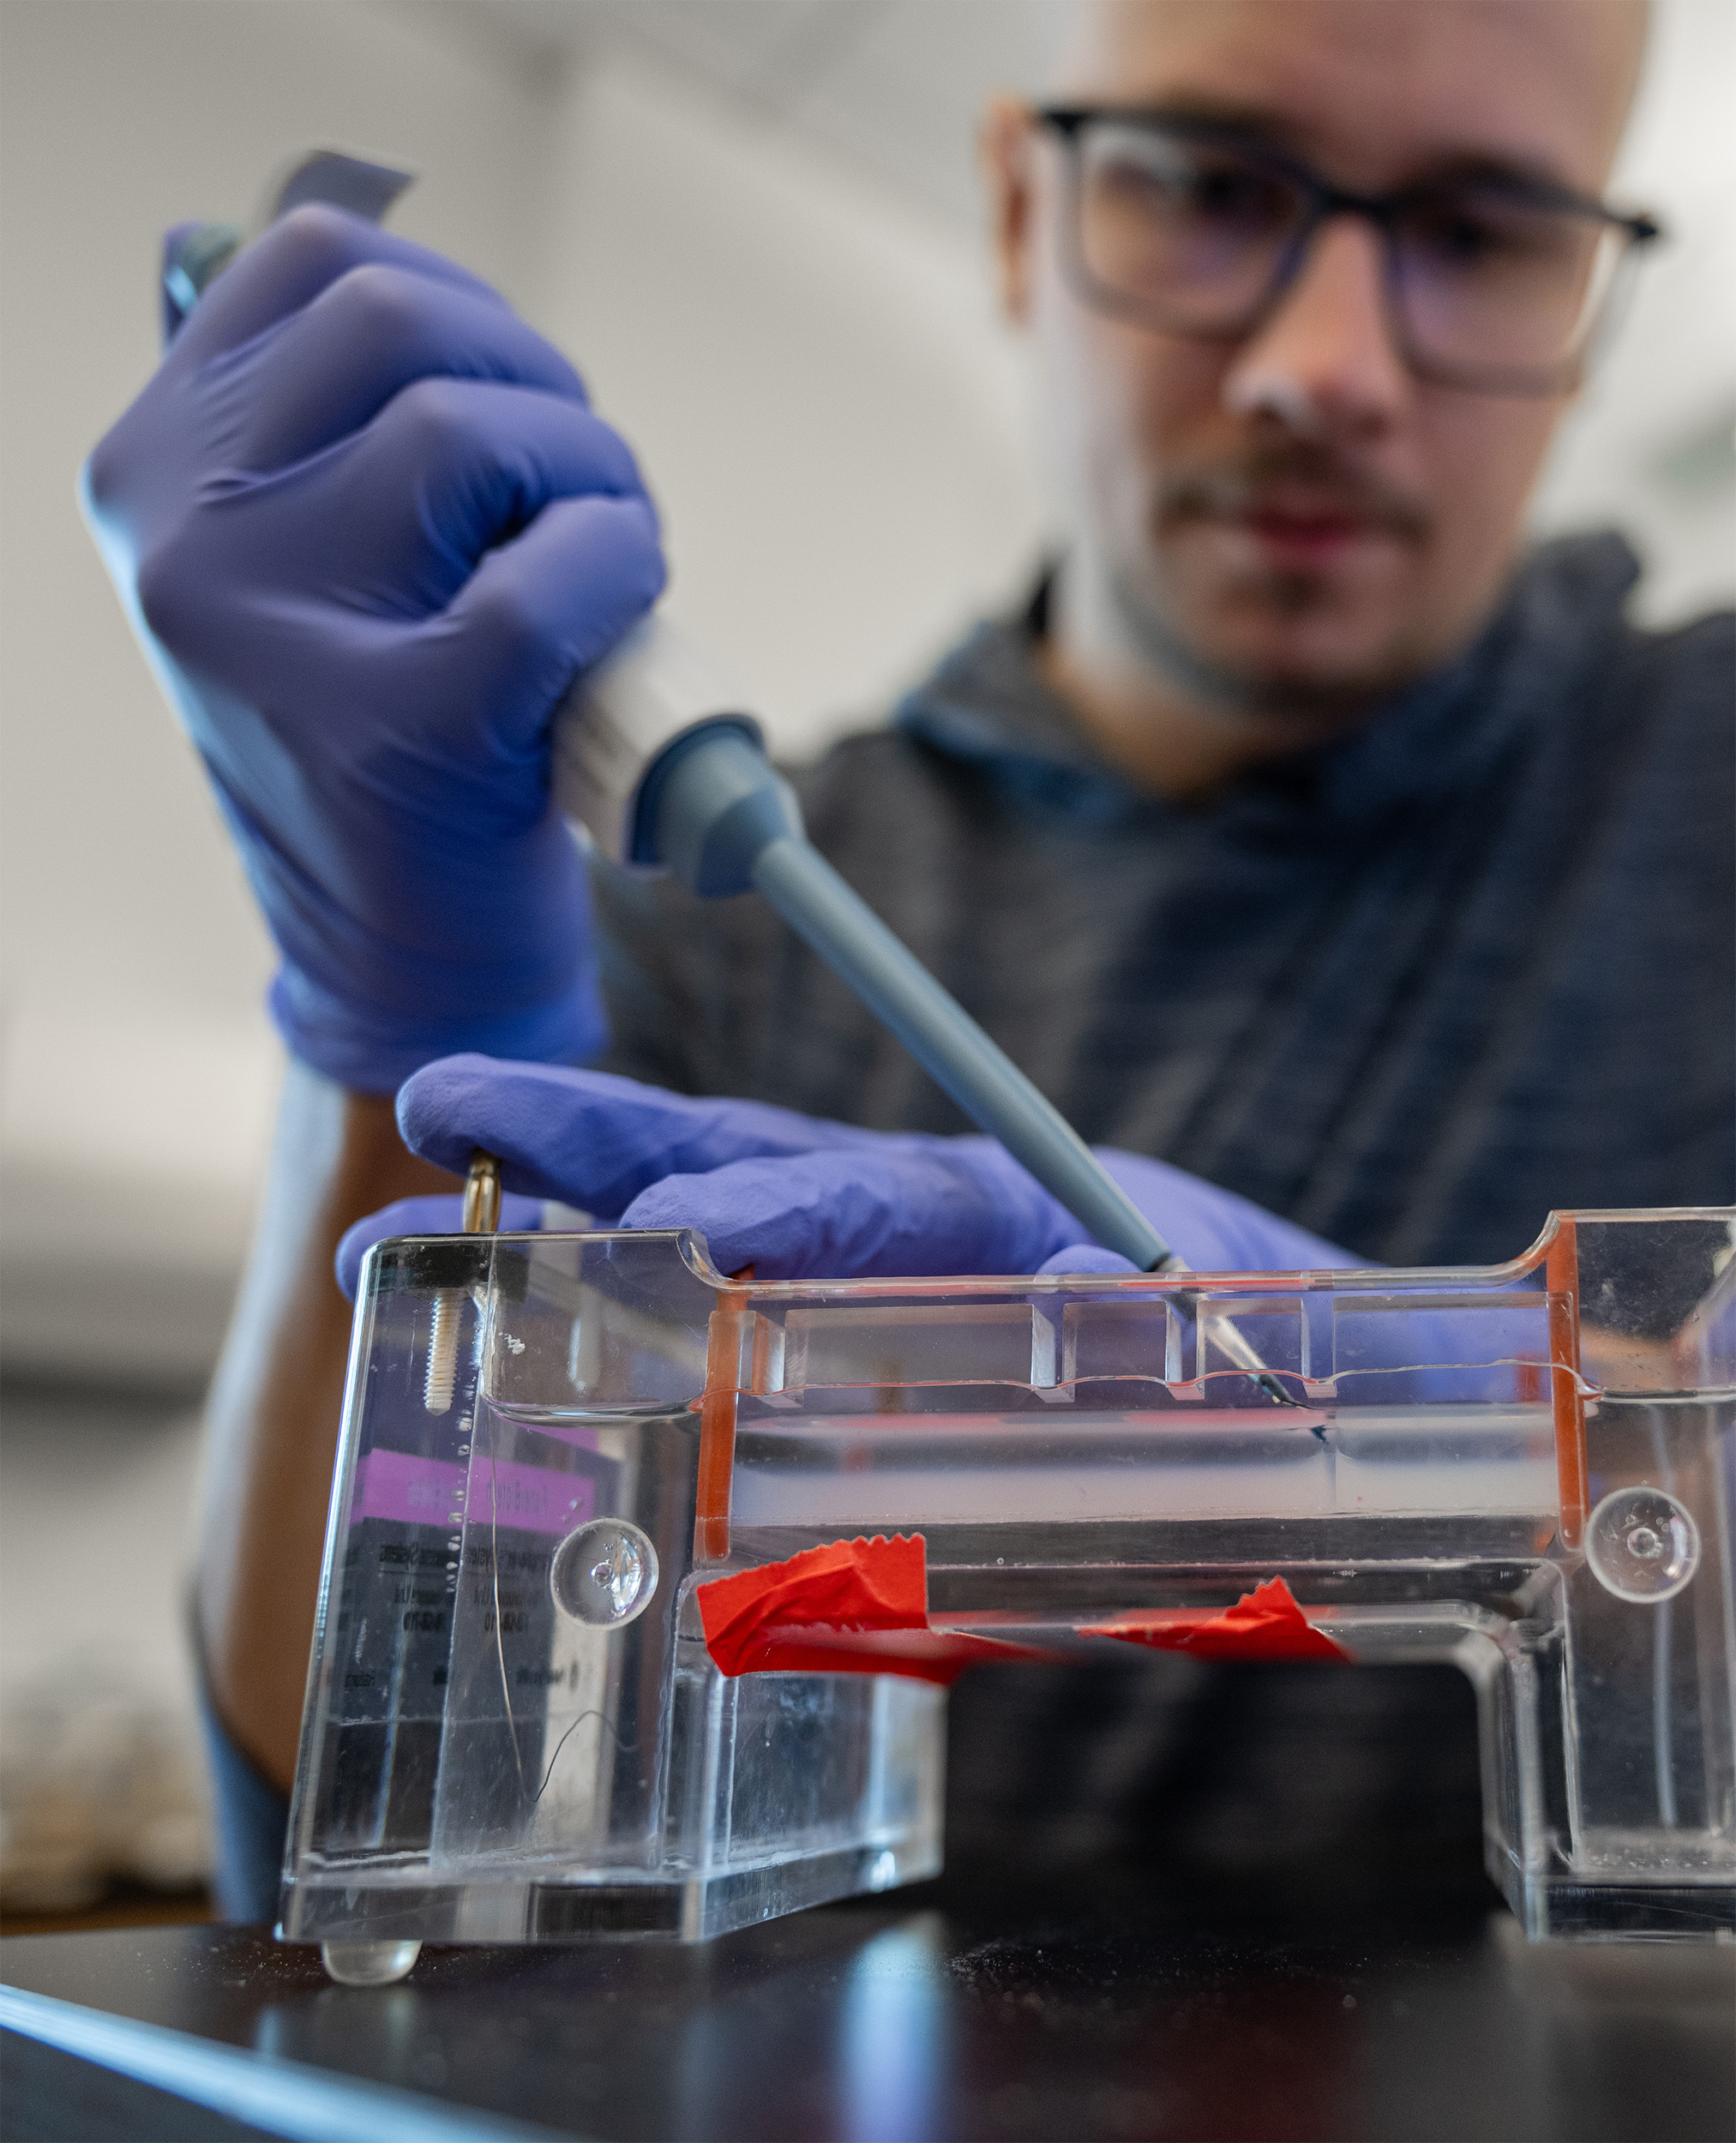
528, 1719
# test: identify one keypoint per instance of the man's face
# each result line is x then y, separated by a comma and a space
1296, 511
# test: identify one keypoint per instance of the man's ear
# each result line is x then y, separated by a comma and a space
1003, 147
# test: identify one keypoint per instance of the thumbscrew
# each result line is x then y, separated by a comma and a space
482, 1216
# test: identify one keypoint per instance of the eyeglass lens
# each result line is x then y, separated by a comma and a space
1196, 236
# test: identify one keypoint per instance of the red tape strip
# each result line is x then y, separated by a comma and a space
851, 1607
877, 1584
862, 1607
1266, 1623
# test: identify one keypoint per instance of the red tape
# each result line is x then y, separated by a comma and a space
851, 1607
862, 1607
1266, 1623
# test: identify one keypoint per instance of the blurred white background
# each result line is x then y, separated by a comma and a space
755, 225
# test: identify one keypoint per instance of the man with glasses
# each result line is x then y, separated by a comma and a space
1493, 279
1304, 831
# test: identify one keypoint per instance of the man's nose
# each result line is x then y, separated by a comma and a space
1323, 362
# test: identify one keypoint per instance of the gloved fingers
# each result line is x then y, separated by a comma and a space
589, 1138
449, 469
453, 470
388, 527
288, 266
440, 1214
901, 1207
335, 362
546, 605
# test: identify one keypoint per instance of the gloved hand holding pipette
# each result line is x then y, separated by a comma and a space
654, 754
369, 530
791, 1195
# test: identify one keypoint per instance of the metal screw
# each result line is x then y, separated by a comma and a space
482, 1216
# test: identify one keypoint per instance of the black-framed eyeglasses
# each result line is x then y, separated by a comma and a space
1494, 281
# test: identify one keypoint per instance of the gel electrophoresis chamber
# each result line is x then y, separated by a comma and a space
643, 1588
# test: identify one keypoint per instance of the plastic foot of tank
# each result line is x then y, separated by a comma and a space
369, 1964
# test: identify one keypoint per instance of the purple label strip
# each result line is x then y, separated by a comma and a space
406, 1490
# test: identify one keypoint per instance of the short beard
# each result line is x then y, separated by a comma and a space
1217, 689
1211, 493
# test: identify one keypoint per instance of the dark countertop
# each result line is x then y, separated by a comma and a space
976, 2006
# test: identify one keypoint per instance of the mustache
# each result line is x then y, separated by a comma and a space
1331, 481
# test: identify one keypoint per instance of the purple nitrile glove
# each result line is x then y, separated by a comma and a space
796, 1196
369, 531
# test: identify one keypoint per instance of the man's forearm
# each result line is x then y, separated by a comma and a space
273, 1418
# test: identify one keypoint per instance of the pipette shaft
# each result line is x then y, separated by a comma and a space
950, 1046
